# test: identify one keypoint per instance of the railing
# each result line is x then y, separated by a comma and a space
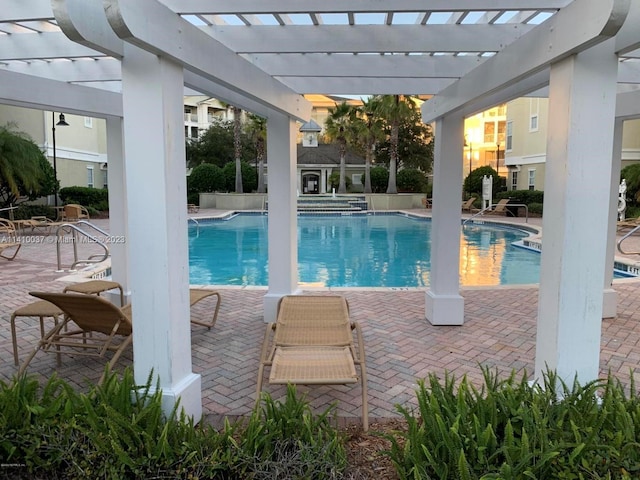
191, 219
634, 230
75, 231
10, 210
490, 208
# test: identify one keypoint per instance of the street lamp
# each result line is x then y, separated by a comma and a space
498, 159
470, 145
61, 123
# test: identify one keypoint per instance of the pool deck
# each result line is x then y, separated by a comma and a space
401, 346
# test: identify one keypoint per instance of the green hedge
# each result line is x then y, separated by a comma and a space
524, 196
92, 198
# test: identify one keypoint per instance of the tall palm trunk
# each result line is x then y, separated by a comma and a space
342, 187
237, 147
367, 167
393, 159
260, 155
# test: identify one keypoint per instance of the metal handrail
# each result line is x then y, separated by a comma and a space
75, 230
635, 229
490, 208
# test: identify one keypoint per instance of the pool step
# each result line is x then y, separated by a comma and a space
331, 204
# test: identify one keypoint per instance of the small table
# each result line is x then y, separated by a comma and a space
96, 287
40, 309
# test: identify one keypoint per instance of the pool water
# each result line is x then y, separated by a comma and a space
383, 250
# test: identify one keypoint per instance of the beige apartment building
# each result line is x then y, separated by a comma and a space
525, 143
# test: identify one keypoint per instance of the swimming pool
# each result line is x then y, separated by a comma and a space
382, 250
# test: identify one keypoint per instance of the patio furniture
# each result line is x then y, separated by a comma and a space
9, 245
311, 343
197, 294
92, 326
499, 208
40, 309
74, 212
192, 208
95, 287
468, 205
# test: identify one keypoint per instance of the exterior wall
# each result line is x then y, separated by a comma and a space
26, 120
529, 144
482, 144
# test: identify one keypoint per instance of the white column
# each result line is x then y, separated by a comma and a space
443, 303
582, 95
152, 89
283, 231
323, 180
117, 208
610, 296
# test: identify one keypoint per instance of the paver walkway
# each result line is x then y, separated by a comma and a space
401, 346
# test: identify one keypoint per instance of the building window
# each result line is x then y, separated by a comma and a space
90, 177
532, 179
514, 180
88, 122
489, 132
509, 144
194, 132
356, 179
534, 104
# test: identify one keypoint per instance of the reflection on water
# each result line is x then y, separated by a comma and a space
356, 251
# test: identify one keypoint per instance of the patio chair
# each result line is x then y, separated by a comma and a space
311, 343
499, 208
468, 205
74, 212
197, 294
7, 237
92, 326
628, 223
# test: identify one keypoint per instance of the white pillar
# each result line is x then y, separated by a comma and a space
443, 303
582, 96
117, 208
610, 296
152, 91
283, 231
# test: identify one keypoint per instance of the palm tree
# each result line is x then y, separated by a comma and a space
337, 129
22, 167
394, 109
237, 146
372, 131
257, 130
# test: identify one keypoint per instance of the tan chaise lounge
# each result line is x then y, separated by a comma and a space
467, 205
91, 326
7, 237
311, 343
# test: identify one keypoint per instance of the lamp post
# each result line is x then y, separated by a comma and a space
61, 123
470, 144
498, 159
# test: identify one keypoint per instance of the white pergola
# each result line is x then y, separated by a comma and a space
130, 61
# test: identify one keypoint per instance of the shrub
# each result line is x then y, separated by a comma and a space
249, 177
87, 197
510, 429
25, 212
473, 182
334, 181
206, 177
535, 208
379, 179
525, 196
119, 430
411, 180
631, 174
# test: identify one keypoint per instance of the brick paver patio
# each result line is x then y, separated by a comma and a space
401, 346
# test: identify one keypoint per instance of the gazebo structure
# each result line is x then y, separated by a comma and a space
130, 61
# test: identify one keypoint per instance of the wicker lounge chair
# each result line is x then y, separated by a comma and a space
467, 205
197, 294
74, 212
311, 343
7, 237
91, 326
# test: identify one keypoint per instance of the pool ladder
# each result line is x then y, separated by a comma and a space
627, 235
75, 233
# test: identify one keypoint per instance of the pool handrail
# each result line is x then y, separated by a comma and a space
624, 237
490, 208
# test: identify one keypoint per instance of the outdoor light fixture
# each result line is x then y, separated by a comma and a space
62, 123
498, 159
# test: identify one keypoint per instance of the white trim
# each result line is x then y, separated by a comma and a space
75, 154
526, 160
88, 122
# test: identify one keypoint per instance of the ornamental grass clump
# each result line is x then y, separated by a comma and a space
512, 429
285, 440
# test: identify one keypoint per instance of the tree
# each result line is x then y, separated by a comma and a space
214, 146
257, 131
237, 147
25, 172
337, 130
368, 128
415, 144
394, 109
473, 182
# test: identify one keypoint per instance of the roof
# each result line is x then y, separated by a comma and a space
310, 126
326, 154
